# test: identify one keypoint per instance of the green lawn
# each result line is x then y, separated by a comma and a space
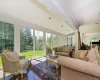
0, 62
29, 54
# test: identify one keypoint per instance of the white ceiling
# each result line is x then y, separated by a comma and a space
26, 13
75, 12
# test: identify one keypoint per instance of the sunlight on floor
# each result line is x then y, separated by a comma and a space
1, 74
8, 76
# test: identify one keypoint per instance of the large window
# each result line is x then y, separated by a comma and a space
39, 46
33, 42
65, 40
48, 40
69, 40
54, 40
26, 42
6, 36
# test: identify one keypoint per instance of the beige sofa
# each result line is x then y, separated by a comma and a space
64, 50
75, 69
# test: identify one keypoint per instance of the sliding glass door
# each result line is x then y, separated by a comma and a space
33, 43
48, 40
26, 42
39, 46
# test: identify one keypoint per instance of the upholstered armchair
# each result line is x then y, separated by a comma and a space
12, 63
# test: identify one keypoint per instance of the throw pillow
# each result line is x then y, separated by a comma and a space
97, 55
83, 54
92, 56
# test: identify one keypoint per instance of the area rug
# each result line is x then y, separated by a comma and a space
17, 77
43, 71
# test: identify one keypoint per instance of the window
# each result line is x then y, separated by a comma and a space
65, 40
26, 42
39, 46
48, 40
54, 42
6, 36
70, 40
61, 40
58, 40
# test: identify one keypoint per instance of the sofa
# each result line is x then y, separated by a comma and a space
64, 50
76, 69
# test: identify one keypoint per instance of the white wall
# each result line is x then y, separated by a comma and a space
88, 31
26, 13
90, 28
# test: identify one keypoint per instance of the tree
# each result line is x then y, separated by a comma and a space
26, 39
39, 43
6, 36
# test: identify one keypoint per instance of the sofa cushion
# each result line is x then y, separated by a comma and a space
62, 53
92, 55
71, 48
66, 49
98, 55
83, 54
78, 54
59, 49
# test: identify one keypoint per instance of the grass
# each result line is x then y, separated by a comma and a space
32, 54
0, 62
29, 54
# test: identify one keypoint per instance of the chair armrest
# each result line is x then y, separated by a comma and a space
79, 65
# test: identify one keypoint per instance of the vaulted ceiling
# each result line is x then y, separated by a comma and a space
63, 14
27, 13
75, 12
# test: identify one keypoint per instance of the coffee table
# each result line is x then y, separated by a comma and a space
50, 61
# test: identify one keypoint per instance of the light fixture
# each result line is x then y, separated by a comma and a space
96, 23
49, 17
62, 26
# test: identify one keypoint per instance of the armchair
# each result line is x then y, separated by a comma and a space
12, 63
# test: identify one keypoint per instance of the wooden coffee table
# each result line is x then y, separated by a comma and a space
53, 62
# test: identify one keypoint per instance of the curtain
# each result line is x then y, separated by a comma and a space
79, 40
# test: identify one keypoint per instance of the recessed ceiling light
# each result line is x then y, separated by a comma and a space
96, 23
49, 17
62, 26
